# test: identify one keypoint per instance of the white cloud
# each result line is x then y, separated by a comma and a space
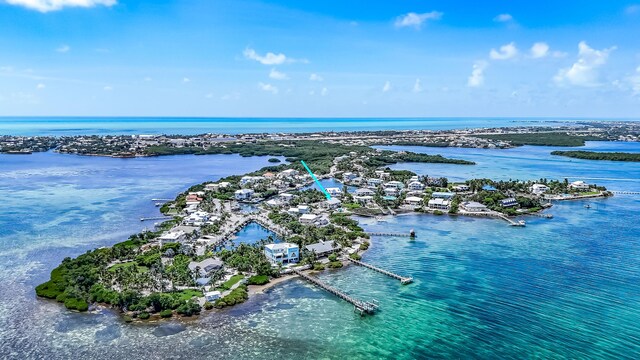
63, 49
324, 91
417, 86
508, 51
107, 88
476, 79
503, 18
209, 96
584, 72
635, 82
40, 86
277, 75
315, 77
231, 96
270, 58
632, 9
186, 80
54, 5
147, 79
387, 86
539, 50
416, 20
268, 88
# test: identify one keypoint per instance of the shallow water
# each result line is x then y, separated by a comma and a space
568, 287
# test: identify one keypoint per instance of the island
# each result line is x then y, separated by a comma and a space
190, 263
594, 155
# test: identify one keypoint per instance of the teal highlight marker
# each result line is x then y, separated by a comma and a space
326, 193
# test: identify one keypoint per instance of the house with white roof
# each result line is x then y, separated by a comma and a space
413, 200
415, 186
442, 195
439, 204
365, 192
395, 184
244, 194
579, 185
289, 173
472, 206
308, 218
348, 176
334, 191
539, 189
374, 182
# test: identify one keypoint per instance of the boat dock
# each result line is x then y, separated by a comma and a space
403, 280
625, 192
162, 199
156, 218
388, 234
511, 222
362, 307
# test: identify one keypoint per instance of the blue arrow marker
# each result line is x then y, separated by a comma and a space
326, 193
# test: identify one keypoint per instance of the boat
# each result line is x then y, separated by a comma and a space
587, 206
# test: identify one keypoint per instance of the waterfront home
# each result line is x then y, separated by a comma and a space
197, 218
193, 197
413, 179
323, 248
508, 202
245, 180
416, 186
332, 203
286, 198
538, 189
308, 218
282, 253
373, 182
442, 195
303, 209
394, 184
172, 236
293, 211
212, 295
472, 206
413, 200
363, 199
212, 187
334, 191
461, 188
348, 176
244, 194
205, 267
579, 185
382, 174
439, 204
365, 192
224, 184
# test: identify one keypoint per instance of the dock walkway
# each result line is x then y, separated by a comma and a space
363, 307
387, 234
403, 279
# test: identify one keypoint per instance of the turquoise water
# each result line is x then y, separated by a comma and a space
568, 287
59, 126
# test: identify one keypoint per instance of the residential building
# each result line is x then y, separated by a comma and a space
205, 267
365, 192
439, 204
374, 182
303, 209
461, 188
334, 191
416, 186
442, 195
413, 200
508, 202
289, 173
395, 184
244, 194
348, 176
212, 295
539, 189
323, 248
579, 185
333, 203
282, 253
472, 206
308, 218
391, 191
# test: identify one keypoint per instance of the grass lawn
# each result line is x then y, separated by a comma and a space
116, 267
187, 294
229, 283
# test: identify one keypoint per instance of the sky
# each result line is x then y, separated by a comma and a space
329, 58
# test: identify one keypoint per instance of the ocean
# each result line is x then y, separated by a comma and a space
561, 288
61, 126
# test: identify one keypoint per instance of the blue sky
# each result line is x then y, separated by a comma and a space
319, 58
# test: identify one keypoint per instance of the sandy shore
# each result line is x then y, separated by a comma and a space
259, 289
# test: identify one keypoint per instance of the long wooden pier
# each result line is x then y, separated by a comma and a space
625, 192
363, 307
403, 279
156, 218
387, 234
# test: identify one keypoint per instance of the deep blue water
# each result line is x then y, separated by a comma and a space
59, 126
562, 288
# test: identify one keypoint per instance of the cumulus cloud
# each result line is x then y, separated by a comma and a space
635, 82
476, 79
386, 87
503, 18
417, 86
324, 91
186, 80
539, 50
508, 51
277, 75
268, 88
416, 20
584, 72
270, 58
315, 77
55, 5
63, 49
107, 88
40, 86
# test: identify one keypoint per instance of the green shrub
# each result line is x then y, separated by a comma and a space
333, 257
76, 304
258, 280
274, 160
364, 245
335, 264
237, 296
318, 267
144, 316
355, 256
208, 305
127, 318
438, 212
189, 308
166, 313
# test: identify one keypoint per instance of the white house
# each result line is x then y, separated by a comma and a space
365, 192
416, 186
363, 199
348, 176
461, 188
472, 206
289, 173
391, 191
332, 203
282, 253
250, 179
308, 218
303, 209
579, 185
286, 197
374, 182
442, 195
172, 236
413, 200
508, 202
439, 204
212, 295
244, 194
334, 191
539, 189
395, 184
206, 266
